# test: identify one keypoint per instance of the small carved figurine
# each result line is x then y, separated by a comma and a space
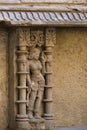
36, 82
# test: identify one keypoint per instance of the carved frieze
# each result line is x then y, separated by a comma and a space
53, 17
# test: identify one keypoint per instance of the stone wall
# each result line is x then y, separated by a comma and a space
3, 79
70, 77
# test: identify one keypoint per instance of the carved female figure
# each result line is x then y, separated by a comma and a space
35, 81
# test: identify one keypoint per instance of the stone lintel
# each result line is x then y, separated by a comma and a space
42, 1
45, 8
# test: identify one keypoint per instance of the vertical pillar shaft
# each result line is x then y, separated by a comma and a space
48, 87
50, 41
21, 88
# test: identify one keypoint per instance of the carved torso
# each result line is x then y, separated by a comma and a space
35, 68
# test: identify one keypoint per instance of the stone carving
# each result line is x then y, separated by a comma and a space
49, 43
50, 37
34, 59
35, 82
37, 38
24, 36
22, 72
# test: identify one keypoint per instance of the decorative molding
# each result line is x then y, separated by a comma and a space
43, 12
25, 18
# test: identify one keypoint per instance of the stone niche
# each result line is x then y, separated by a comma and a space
66, 71
30, 78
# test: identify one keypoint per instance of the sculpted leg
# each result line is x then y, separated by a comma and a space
38, 103
32, 98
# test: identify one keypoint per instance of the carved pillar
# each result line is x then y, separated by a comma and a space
22, 116
50, 41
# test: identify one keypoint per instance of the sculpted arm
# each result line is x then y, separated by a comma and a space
43, 60
28, 76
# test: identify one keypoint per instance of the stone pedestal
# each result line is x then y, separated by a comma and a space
22, 126
34, 124
37, 124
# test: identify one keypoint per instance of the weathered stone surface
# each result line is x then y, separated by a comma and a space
3, 80
79, 128
70, 77
43, 1
56, 1
9, 1
29, 18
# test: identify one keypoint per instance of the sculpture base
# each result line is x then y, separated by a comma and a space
32, 124
37, 124
22, 126
49, 124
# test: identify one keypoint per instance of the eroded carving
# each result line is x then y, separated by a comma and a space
34, 73
50, 37
24, 36
36, 83
37, 38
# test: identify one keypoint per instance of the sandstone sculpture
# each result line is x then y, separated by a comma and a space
36, 83
34, 62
